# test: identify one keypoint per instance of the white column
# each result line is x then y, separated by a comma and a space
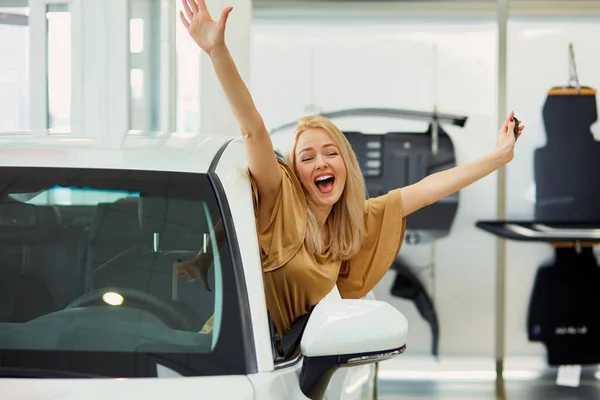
100, 69
215, 114
38, 91
168, 107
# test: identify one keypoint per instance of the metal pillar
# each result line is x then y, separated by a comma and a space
502, 18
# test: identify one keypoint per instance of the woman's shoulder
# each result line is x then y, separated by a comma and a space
289, 174
283, 234
379, 211
392, 198
292, 194
288, 177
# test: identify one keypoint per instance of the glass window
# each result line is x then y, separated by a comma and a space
188, 79
59, 67
150, 30
147, 60
14, 69
89, 258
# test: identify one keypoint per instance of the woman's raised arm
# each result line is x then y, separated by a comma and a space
210, 36
441, 184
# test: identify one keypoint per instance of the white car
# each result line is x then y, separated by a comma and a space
89, 234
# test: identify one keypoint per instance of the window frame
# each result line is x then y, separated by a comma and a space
248, 347
233, 353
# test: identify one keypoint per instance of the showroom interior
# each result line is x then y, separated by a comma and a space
475, 271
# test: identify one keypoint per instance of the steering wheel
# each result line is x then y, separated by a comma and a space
158, 307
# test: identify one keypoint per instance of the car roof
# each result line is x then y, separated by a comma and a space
175, 151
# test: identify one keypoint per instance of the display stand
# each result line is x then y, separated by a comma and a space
562, 233
562, 308
567, 217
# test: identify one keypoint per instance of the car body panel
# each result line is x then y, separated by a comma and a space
190, 388
269, 385
141, 151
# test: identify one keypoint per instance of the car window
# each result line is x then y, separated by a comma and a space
88, 270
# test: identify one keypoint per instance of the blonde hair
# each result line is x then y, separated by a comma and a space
346, 220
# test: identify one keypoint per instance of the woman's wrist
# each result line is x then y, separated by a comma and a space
218, 52
202, 254
503, 155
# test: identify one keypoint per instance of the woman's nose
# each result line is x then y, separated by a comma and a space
321, 163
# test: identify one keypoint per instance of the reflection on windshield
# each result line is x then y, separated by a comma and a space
87, 263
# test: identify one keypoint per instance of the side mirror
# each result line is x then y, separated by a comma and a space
347, 333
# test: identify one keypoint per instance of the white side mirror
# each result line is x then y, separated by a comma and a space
346, 333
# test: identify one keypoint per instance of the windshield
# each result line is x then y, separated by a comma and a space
88, 277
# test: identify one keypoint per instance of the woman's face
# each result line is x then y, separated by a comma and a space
320, 166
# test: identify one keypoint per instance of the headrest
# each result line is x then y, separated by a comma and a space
17, 215
180, 223
116, 222
24, 223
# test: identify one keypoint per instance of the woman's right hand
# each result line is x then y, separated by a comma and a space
208, 34
196, 269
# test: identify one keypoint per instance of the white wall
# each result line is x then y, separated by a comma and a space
301, 66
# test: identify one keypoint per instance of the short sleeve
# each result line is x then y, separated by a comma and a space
284, 234
385, 226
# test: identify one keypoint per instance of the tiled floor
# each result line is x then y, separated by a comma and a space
475, 379
536, 390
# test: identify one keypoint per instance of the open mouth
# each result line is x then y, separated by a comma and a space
324, 183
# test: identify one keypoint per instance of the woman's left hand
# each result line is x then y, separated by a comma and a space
196, 269
506, 137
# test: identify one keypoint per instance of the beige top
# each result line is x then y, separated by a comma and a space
296, 280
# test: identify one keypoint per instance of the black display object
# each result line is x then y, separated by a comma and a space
563, 308
408, 286
396, 159
567, 169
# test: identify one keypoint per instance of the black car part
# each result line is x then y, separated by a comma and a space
408, 286
396, 159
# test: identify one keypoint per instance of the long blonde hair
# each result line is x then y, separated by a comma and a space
346, 220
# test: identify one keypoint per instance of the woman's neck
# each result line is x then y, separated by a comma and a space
322, 214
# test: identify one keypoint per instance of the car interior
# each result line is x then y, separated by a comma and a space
56, 257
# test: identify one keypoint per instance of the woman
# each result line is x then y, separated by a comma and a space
316, 229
